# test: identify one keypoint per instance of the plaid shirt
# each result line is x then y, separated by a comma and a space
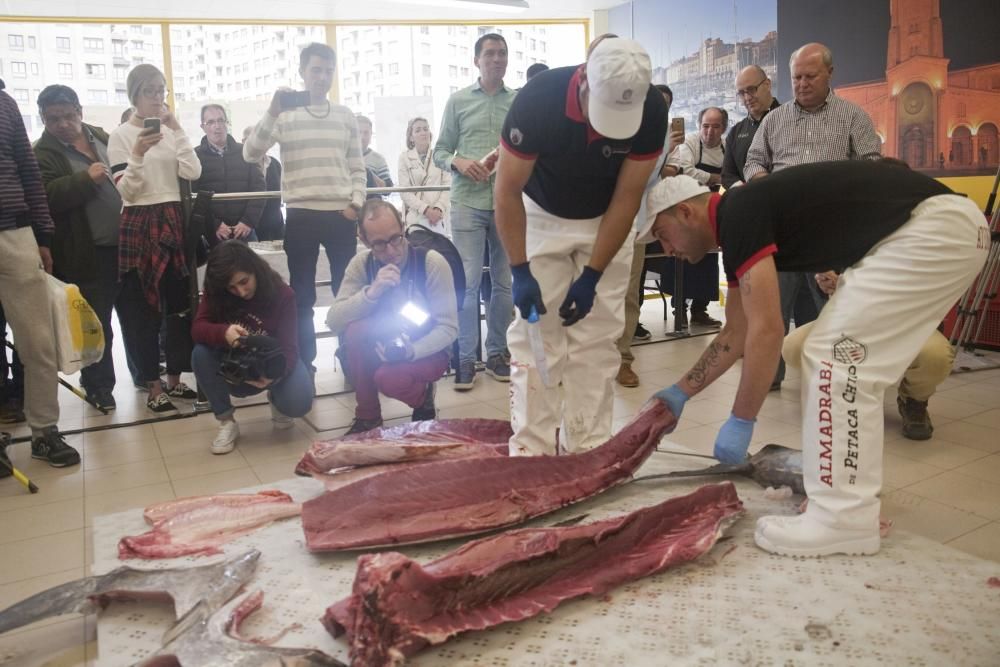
151, 242
22, 195
790, 135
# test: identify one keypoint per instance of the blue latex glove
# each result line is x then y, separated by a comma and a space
525, 290
734, 439
674, 397
580, 298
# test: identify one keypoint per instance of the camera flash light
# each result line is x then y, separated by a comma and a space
413, 313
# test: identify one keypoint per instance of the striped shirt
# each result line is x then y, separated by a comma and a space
470, 129
22, 195
320, 153
790, 135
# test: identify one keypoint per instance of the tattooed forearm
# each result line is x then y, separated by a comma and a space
697, 377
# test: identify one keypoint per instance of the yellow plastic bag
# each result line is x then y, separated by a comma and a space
78, 332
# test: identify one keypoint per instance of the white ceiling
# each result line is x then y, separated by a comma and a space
297, 10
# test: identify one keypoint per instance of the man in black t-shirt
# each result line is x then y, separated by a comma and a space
911, 247
580, 143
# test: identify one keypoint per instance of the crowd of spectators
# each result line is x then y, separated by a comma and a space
112, 212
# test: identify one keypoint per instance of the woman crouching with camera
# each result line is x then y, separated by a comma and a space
245, 338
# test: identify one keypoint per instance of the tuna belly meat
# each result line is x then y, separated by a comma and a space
443, 499
398, 606
205, 528
416, 441
162, 511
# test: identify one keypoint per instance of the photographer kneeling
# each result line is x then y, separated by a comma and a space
397, 316
245, 338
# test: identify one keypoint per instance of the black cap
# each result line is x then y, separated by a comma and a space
57, 94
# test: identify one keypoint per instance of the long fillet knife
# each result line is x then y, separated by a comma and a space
538, 346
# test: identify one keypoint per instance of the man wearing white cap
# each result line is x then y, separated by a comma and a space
577, 148
911, 247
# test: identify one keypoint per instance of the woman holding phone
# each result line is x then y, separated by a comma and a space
148, 155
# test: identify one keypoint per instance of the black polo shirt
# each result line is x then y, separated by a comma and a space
576, 169
816, 217
738, 145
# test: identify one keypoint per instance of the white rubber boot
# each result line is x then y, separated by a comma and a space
803, 535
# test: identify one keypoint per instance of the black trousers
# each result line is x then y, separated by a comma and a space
305, 231
141, 325
12, 372
102, 293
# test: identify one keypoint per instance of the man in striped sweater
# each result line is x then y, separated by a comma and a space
26, 230
323, 183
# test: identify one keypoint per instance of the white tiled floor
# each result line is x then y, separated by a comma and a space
947, 488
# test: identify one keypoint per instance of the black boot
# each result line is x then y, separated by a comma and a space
360, 425
426, 410
916, 422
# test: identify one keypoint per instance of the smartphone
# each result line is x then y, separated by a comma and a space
151, 125
677, 124
291, 99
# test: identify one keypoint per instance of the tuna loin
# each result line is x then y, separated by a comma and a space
203, 528
462, 497
413, 442
398, 606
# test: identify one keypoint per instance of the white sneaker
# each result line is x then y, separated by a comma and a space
225, 440
804, 536
280, 421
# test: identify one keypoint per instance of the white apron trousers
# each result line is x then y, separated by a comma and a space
582, 357
884, 309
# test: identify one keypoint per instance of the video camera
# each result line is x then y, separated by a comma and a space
254, 358
410, 313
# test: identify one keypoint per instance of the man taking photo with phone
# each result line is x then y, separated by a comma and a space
323, 183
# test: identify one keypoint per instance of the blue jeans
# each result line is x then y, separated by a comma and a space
292, 395
794, 286
471, 228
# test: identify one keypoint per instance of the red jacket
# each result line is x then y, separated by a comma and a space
276, 319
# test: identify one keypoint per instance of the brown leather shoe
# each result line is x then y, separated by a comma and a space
626, 376
702, 318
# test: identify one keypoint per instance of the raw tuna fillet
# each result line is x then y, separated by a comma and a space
161, 511
413, 442
204, 528
398, 606
466, 496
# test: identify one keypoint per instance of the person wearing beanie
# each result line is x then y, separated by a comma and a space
149, 156
577, 148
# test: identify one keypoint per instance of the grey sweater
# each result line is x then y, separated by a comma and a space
351, 303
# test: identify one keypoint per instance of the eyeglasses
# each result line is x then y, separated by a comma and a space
396, 240
215, 121
153, 93
750, 91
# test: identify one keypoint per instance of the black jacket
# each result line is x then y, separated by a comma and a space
230, 173
73, 256
272, 224
738, 145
